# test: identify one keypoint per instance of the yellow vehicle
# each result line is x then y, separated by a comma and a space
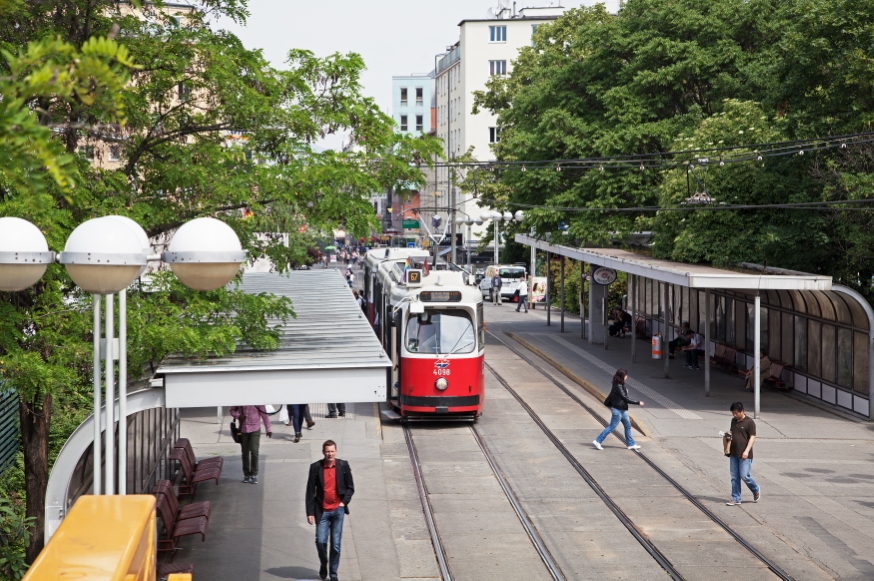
103, 538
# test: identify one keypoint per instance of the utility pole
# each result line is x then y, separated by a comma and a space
451, 155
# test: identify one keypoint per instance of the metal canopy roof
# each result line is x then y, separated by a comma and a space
327, 354
689, 275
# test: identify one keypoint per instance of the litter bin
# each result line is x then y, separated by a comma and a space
657, 346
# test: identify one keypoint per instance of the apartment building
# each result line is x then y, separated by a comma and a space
485, 48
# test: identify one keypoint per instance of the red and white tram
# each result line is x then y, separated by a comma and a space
431, 325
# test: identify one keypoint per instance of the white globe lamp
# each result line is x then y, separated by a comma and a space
487, 215
496, 216
140, 234
24, 254
478, 221
205, 254
103, 256
508, 216
519, 215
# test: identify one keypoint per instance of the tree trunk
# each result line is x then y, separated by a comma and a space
35, 422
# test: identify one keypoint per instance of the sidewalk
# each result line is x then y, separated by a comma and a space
816, 468
259, 532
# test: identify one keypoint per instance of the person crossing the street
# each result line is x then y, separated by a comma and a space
618, 401
740, 458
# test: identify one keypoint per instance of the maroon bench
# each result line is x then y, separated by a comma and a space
775, 380
175, 529
724, 357
193, 477
193, 510
214, 461
167, 569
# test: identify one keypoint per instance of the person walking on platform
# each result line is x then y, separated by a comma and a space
523, 295
618, 401
329, 491
333, 408
295, 413
250, 417
743, 436
496, 289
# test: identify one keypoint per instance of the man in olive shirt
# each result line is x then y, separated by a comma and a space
743, 436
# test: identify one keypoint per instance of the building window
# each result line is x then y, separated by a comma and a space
114, 153
497, 34
184, 92
494, 135
533, 30
403, 122
497, 68
419, 96
404, 96
419, 125
87, 152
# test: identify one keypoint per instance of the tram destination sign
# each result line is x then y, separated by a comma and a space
440, 296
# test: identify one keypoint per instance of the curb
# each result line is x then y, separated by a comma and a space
594, 391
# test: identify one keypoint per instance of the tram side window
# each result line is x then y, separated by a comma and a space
440, 332
480, 326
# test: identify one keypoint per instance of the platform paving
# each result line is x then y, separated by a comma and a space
815, 467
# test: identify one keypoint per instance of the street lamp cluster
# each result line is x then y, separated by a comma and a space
496, 217
103, 256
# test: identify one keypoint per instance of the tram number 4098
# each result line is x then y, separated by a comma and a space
441, 371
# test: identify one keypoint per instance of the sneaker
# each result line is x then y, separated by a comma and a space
253, 480
696, 368
310, 424
634, 447
757, 496
331, 416
246, 479
597, 445
732, 503
296, 438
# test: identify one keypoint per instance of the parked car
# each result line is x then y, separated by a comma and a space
511, 276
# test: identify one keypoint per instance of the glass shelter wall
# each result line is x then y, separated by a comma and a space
822, 335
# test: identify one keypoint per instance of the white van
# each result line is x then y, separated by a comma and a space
511, 275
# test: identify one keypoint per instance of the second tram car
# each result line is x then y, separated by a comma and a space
431, 325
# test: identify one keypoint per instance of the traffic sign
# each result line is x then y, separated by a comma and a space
411, 244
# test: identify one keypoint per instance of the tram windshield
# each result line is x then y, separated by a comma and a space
441, 332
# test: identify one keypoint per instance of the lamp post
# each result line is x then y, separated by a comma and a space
103, 256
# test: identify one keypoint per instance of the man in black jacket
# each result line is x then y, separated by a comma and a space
329, 490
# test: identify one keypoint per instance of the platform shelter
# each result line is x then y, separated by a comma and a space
822, 332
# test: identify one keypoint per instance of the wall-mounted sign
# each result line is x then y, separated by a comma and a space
604, 275
410, 223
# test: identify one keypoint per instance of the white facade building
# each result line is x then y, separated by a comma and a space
485, 48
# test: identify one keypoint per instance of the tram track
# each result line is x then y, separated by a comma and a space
439, 548
612, 505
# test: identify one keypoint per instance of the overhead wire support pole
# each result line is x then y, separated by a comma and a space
561, 294
665, 327
548, 292
632, 296
706, 343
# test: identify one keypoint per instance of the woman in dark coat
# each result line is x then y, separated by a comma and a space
618, 401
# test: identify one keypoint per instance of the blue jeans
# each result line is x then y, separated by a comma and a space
294, 413
331, 522
740, 470
614, 421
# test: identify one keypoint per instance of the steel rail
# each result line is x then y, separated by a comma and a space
544, 553
734, 534
593, 484
439, 551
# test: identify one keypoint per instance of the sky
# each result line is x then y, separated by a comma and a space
395, 37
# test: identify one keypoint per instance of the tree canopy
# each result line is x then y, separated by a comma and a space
149, 111
679, 75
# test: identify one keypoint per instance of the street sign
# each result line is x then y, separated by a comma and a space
411, 244
604, 275
410, 223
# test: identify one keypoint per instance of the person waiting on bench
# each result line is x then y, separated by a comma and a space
693, 349
621, 323
764, 371
679, 341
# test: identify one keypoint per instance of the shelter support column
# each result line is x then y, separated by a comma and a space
632, 298
548, 293
665, 328
582, 301
122, 392
597, 305
531, 274
757, 349
561, 293
110, 394
707, 343
98, 463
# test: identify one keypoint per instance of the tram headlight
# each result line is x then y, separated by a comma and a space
441, 383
